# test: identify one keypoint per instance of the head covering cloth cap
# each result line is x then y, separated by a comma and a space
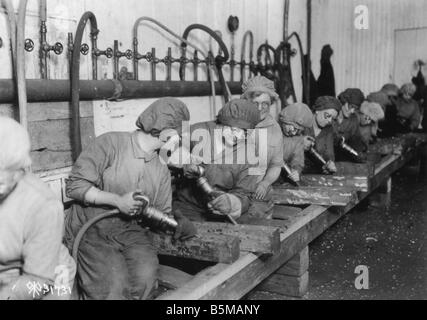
373, 110
259, 84
352, 96
298, 114
327, 102
390, 89
239, 113
165, 113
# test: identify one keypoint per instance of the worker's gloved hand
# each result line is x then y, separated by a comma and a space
308, 142
295, 176
261, 191
185, 229
128, 205
191, 171
330, 167
226, 204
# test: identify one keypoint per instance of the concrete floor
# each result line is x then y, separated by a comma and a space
389, 237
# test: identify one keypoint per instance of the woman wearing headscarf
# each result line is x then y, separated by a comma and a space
370, 114
347, 125
117, 258
221, 144
326, 110
261, 91
408, 115
386, 98
295, 119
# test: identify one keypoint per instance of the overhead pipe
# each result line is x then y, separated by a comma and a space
305, 80
60, 90
10, 11
138, 56
20, 64
45, 48
75, 76
308, 64
250, 35
219, 60
117, 55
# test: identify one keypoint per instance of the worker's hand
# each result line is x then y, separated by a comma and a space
295, 176
226, 204
330, 167
191, 171
185, 229
128, 205
261, 191
308, 142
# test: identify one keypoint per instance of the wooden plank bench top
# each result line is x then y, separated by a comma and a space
231, 282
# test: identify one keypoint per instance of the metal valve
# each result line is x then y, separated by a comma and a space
108, 53
58, 48
84, 49
29, 45
129, 54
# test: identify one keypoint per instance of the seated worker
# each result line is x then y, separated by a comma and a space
117, 259
294, 120
347, 125
261, 91
326, 110
386, 99
222, 142
370, 114
408, 115
34, 264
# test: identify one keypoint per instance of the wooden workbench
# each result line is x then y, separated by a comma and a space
231, 281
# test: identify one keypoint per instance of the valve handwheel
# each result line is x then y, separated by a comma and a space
84, 49
58, 48
29, 45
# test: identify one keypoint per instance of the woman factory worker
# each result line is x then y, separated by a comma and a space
347, 125
326, 110
117, 259
34, 264
233, 181
261, 91
386, 98
294, 120
408, 115
370, 114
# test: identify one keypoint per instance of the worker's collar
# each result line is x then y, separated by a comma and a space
138, 152
267, 122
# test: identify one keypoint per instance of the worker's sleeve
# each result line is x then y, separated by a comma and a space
328, 141
43, 240
244, 187
298, 159
88, 170
277, 155
163, 200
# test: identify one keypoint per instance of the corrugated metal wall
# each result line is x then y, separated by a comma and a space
362, 58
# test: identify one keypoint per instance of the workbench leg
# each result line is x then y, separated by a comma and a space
382, 198
423, 162
291, 280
